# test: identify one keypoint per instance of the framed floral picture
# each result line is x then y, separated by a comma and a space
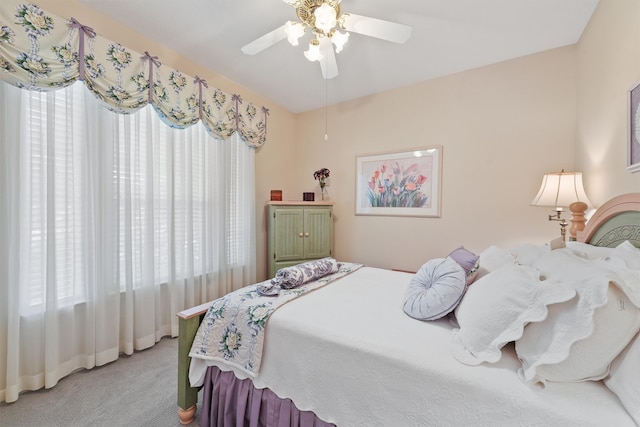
404, 183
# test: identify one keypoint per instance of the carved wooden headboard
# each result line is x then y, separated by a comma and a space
614, 222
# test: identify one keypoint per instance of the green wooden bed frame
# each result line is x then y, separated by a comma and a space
615, 221
188, 323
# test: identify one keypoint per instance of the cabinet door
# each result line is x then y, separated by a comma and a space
289, 234
318, 232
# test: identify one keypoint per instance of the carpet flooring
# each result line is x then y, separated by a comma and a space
136, 390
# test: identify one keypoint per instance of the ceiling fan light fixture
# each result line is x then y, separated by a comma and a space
339, 39
331, 30
294, 30
313, 54
325, 17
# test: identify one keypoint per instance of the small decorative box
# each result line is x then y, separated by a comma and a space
276, 195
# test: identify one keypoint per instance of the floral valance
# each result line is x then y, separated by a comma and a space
40, 51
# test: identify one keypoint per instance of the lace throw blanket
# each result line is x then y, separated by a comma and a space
233, 328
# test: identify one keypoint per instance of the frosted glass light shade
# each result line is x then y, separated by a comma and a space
561, 189
293, 30
313, 54
339, 39
325, 17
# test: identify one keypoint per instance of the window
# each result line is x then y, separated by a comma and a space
167, 204
48, 163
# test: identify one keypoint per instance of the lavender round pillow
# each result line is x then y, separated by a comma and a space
436, 289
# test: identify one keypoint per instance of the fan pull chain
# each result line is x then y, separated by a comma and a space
326, 102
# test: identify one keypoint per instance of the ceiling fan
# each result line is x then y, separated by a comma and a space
325, 20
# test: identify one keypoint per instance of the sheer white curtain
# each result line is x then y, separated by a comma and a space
109, 225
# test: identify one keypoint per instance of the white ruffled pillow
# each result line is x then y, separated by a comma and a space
496, 309
583, 335
629, 253
625, 261
528, 253
566, 265
624, 379
586, 250
493, 258
580, 338
435, 290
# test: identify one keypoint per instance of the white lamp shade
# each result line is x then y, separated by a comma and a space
561, 189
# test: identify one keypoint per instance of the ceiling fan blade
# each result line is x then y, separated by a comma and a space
385, 30
268, 40
328, 62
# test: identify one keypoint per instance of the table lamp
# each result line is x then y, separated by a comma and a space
561, 190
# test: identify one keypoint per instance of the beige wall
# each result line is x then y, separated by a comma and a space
501, 128
608, 66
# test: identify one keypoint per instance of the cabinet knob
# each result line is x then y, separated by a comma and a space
300, 235
306, 234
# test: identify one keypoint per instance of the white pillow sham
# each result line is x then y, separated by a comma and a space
625, 261
629, 253
586, 250
579, 338
493, 258
624, 379
528, 253
565, 265
555, 340
496, 308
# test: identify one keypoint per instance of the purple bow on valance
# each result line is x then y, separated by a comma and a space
238, 100
82, 31
200, 82
153, 60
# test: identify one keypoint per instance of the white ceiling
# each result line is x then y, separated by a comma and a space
448, 36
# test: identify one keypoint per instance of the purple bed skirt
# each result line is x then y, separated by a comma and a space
231, 402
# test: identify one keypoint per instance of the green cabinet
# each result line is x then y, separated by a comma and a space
298, 232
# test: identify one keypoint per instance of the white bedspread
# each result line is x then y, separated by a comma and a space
233, 329
350, 354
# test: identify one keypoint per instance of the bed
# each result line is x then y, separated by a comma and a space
346, 354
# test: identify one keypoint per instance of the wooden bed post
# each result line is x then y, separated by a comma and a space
577, 219
188, 323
